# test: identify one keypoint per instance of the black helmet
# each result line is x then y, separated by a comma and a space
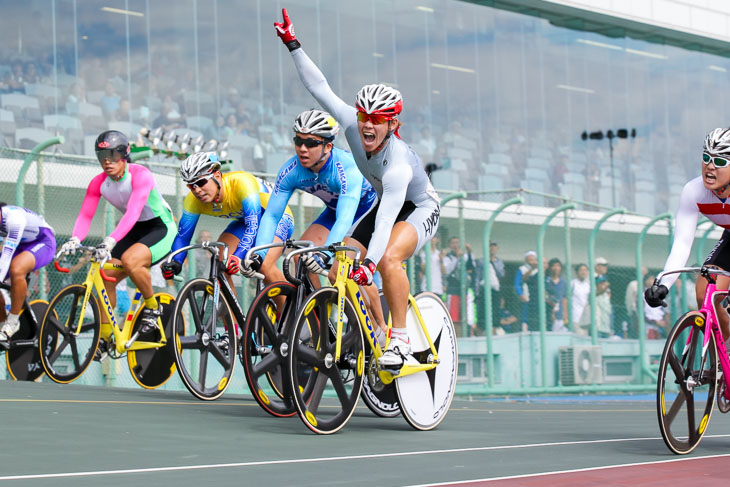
110, 142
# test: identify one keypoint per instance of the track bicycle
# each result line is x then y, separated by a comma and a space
207, 325
327, 347
72, 326
264, 344
689, 378
21, 350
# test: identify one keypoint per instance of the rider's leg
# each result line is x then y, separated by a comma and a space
402, 244
137, 261
20, 266
316, 234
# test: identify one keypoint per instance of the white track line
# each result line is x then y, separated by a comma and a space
558, 472
326, 459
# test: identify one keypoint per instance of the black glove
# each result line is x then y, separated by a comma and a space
655, 295
251, 265
170, 270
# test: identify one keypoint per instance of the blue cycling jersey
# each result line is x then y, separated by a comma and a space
339, 184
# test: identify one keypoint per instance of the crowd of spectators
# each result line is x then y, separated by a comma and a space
514, 294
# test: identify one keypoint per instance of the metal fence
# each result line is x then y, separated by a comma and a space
532, 329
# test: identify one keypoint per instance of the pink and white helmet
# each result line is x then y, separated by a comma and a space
379, 99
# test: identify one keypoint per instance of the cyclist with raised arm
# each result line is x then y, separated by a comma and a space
407, 213
143, 235
705, 195
238, 196
29, 244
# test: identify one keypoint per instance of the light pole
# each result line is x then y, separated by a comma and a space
610, 135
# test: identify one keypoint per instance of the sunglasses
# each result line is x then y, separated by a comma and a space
308, 143
717, 161
374, 119
200, 182
108, 154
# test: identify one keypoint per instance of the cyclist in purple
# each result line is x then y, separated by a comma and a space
29, 245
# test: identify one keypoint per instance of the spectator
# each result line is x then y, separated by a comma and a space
76, 96
219, 129
31, 74
16, 80
123, 113
601, 266
263, 147
555, 296
437, 268
603, 306
580, 288
631, 300
110, 102
525, 273
494, 259
654, 318
452, 269
231, 127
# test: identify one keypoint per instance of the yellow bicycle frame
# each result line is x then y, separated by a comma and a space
347, 287
95, 282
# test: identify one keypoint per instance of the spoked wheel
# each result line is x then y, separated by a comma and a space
152, 367
66, 349
380, 398
686, 384
425, 397
24, 361
204, 347
336, 384
264, 348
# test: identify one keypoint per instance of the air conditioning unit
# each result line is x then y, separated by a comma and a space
580, 365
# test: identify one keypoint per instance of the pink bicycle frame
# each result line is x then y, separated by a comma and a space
708, 309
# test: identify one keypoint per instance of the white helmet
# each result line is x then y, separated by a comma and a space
199, 165
379, 100
717, 142
316, 122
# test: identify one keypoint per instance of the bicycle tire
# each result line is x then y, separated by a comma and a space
264, 349
425, 397
687, 382
60, 321
24, 362
312, 346
381, 399
152, 367
196, 339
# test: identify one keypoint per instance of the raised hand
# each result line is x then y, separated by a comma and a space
285, 31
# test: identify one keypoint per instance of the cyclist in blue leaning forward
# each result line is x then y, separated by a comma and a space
330, 174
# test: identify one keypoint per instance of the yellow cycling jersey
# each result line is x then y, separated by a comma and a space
242, 192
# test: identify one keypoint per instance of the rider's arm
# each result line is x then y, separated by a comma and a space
15, 223
395, 185
251, 206
315, 82
347, 203
142, 185
276, 205
185, 228
684, 233
88, 208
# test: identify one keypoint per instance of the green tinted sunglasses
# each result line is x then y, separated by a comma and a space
717, 161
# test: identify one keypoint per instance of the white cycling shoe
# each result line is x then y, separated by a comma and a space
397, 353
7, 330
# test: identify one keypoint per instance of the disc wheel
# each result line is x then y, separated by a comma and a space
204, 347
264, 348
425, 397
336, 384
152, 367
65, 354
24, 361
686, 384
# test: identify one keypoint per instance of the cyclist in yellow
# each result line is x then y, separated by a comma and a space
238, 196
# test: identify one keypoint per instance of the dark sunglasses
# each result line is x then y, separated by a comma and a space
309, 143
717, 161
108, 154
200, 182
375, 119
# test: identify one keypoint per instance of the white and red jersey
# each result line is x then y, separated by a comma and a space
695, 200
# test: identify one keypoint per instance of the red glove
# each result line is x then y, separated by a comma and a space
233, 265
285, 30
364, 274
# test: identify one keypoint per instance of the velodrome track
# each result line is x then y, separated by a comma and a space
77, 435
